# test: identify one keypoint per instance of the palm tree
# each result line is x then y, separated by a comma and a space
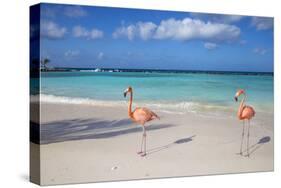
44, 63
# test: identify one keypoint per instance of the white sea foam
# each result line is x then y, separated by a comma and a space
165, 107
71, 100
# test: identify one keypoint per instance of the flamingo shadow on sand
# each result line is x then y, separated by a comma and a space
82, 129
259, 144
179, 141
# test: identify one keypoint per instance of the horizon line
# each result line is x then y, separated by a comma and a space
151, 69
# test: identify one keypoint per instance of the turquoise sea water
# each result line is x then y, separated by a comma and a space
168, 91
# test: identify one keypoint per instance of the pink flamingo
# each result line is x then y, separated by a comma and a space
141, 116
244, 113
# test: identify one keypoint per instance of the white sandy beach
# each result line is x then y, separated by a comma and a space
77, 148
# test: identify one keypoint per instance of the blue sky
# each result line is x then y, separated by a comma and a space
89, 37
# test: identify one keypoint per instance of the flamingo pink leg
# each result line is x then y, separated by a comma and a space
144, 136
248, 154
242, 138
140, 152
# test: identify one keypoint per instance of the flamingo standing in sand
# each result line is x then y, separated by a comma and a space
141, 116
244, 113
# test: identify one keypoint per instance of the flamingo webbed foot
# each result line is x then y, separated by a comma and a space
139, 152
246, 155
143, 154
240, 153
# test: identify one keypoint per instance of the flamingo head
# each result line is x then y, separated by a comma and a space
238, 93
128, 90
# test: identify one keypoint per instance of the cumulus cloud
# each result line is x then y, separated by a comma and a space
229, 18
220, 18
50, 12
210, 45
188, 29
262, 23
51, 30
79, 31
74, 11
260, 51
144, 30
185, 29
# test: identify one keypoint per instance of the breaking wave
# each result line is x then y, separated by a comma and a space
165, 107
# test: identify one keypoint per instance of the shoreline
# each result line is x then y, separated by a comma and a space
167, 107
178, 145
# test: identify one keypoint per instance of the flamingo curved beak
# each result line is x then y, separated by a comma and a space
125, 93
235, 98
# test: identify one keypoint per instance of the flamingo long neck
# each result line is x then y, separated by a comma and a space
130, 104
241, 106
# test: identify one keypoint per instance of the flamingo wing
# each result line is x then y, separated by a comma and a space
143, 115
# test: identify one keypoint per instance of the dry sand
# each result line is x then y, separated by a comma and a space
90, 144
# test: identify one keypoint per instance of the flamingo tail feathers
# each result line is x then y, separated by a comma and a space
155, 115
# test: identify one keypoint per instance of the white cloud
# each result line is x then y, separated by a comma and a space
210, 45
79, 31
260, 51
144, 30
50, 12
123, 31
74, 11
186, 29
262, 23
100, 55
51, 30
231, 18
71, 53
219, 18
95, 33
